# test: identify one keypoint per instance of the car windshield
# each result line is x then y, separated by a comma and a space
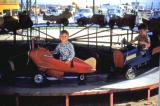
111, 11
54, 10
85, 10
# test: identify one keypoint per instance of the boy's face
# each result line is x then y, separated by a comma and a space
63, 38
142, 32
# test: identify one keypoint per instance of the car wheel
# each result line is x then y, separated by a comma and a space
82, 79
130, 73
39, 79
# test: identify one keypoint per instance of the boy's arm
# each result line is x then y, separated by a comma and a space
56, 50
72, 52
134, 40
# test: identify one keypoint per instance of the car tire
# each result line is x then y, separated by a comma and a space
130, 73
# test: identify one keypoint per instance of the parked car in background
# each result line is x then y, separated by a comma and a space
156, 14
104, 8
84, 12
53, 11
115, 11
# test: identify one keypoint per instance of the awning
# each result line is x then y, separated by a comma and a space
9, 1
9, 6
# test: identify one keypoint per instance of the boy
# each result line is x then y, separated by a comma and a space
65, 49
143, 40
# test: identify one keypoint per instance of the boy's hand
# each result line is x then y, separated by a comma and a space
143, 43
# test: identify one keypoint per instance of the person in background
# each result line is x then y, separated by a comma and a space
65, 49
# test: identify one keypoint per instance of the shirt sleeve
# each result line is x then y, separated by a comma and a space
56, 50
72, 52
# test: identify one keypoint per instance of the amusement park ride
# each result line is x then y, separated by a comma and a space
127, 59
14, 23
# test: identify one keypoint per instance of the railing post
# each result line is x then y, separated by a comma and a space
67, 100
149, 94
17, 100
111, 99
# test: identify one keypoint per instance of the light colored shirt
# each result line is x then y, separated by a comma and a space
142, 39
66, 51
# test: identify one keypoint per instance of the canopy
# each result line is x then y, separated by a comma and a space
9, 4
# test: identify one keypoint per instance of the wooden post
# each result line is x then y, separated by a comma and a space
111, 99
67, 100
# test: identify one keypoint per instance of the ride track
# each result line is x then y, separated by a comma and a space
148, 80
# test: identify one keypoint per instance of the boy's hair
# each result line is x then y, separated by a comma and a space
142, 26
64, 32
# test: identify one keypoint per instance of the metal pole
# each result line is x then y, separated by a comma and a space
46, 32
27, 6
159, 83
39, 31
14, 37
21, 5
96, 38
111, 32
93, 6
36, 16
30, 6
27, 36
127, 35
132, 35
59, 28
88, 37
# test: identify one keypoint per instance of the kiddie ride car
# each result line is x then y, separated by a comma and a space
129, 59
48, 65
39, 65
